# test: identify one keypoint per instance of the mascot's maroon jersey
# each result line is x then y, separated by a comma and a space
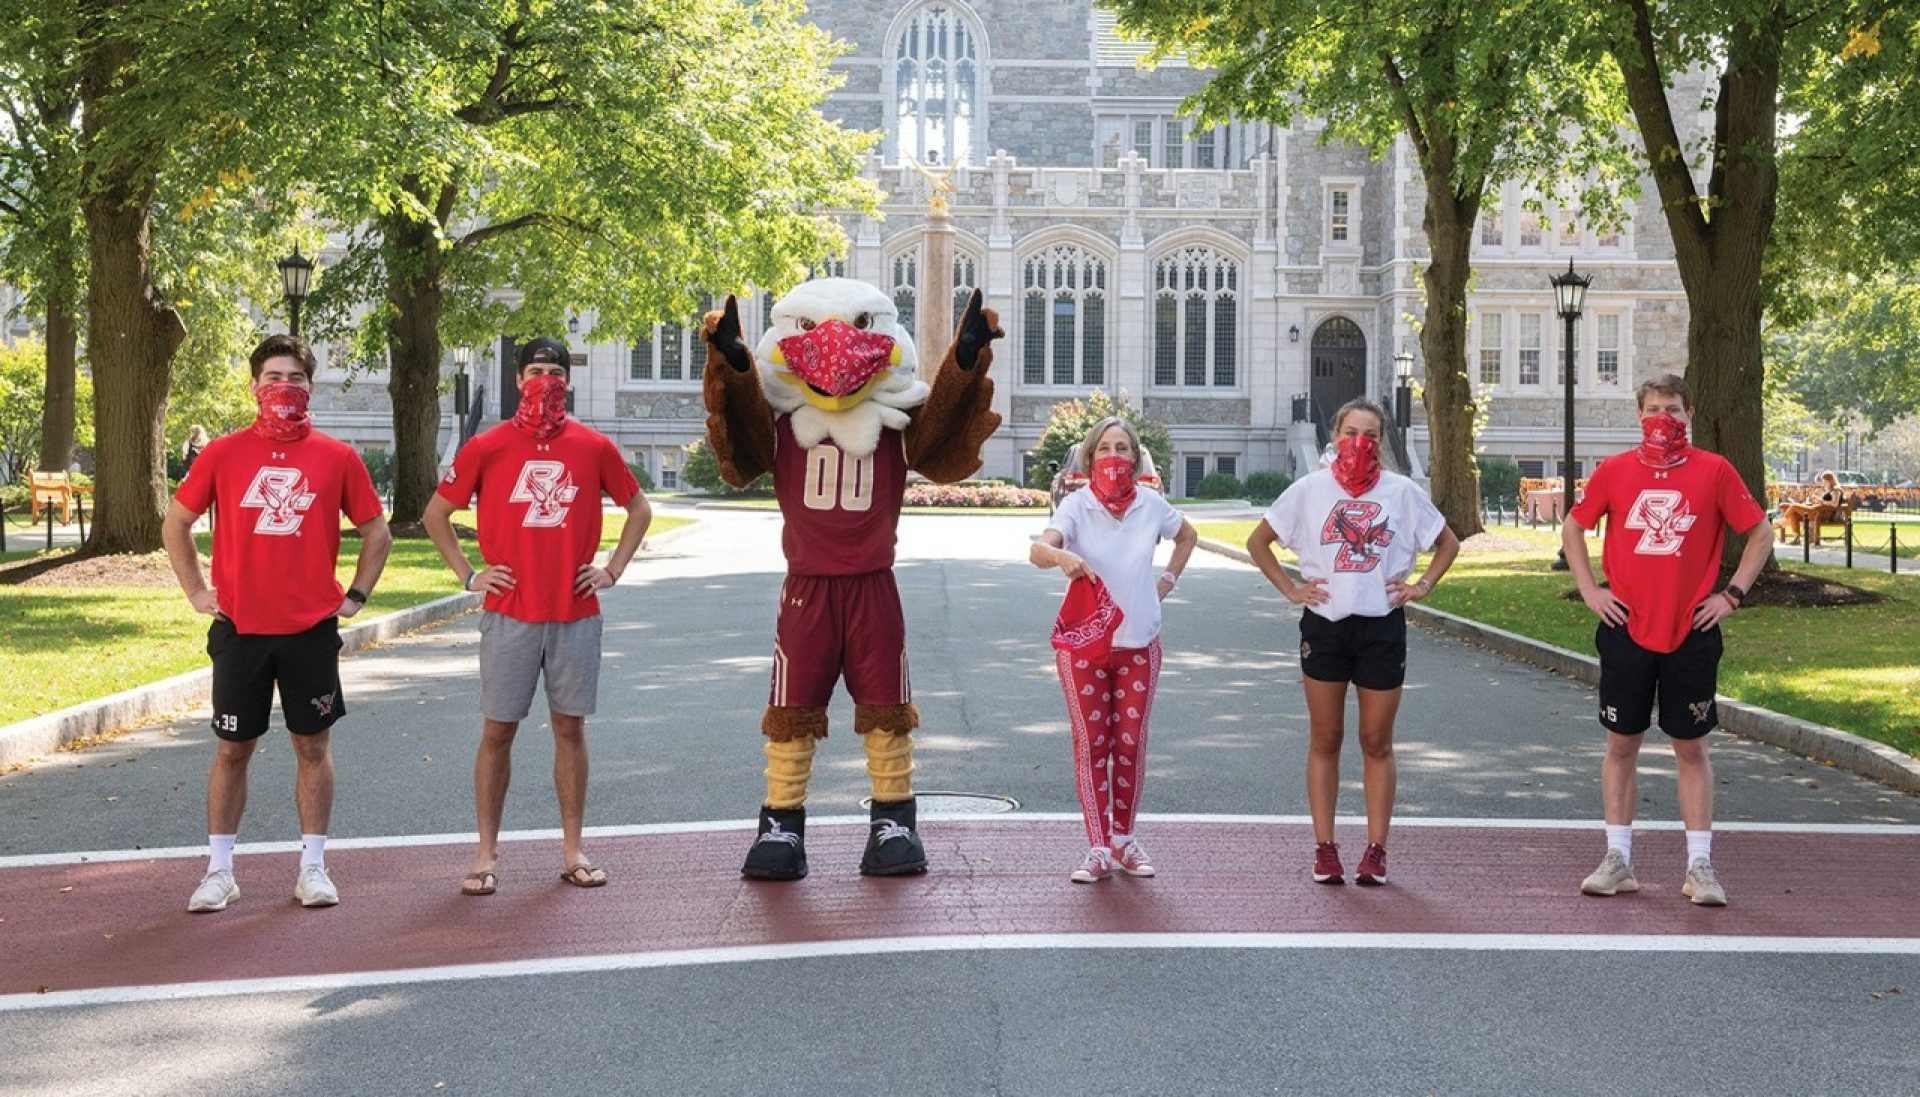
842, 512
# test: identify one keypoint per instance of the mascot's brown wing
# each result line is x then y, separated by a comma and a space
739, 419
944, 439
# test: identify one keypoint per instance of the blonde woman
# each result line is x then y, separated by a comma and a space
1110, 529
1358, 529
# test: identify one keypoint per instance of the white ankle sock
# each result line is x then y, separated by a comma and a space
1121, 841
220, 852
1621, 838
313, 850
1699, 846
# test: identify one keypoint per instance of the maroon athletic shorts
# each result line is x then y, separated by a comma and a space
834, 625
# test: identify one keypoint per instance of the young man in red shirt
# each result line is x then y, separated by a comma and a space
1668, 507
540, 477
276, 601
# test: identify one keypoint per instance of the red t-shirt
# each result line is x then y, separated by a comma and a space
540, 512
842, 512
1665, 530
276, 536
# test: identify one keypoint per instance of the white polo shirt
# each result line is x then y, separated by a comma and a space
1120, 552
1356, 545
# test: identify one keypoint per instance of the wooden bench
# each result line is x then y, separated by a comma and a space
50, 490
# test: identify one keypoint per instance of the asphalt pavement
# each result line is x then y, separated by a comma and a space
676, 742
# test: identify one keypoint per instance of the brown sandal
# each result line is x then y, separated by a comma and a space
479, 883
583, 875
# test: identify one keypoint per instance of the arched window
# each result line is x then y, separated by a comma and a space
936, 89
1196, 318
1064, 318
905, 287
966, 277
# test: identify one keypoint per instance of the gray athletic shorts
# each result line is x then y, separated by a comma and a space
514, 653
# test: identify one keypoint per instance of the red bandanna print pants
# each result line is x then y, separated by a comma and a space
1107, 704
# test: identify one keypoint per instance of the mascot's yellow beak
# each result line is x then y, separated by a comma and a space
822, 400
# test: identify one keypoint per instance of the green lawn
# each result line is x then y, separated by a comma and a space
1852, 667
69, 644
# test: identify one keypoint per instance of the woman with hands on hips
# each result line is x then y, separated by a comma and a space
1109, 530
1357, 529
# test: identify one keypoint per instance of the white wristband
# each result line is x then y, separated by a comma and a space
1170, 577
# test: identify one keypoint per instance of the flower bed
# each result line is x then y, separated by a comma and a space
967, 495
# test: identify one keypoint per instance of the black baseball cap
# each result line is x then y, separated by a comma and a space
546, 350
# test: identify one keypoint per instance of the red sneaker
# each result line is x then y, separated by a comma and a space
1372, 870
1326, 864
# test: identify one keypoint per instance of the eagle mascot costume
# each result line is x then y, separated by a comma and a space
831, 403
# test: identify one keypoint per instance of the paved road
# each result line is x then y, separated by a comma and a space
1397, 1008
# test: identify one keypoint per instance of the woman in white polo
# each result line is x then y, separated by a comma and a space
1358, 529
1110, 529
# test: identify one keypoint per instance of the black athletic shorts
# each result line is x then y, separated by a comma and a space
1370, 652
246, 666
1685, 679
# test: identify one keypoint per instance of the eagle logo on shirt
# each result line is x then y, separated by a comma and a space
282, 498
1662, 517
1352, 525
548, 487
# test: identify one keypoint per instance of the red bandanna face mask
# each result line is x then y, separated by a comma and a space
1112, 483
1357, 468
836, 357
283, 412
1088, 619
543, 406
1663, 441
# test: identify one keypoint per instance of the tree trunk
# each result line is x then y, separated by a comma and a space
132, 333
57, 415
1448, 396
1720, 253
415, 300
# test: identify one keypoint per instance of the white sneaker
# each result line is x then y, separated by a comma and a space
216, 890
1613, 876
315, 888
1703, 884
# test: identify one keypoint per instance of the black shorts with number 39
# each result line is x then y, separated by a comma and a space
246, 667
1684, 680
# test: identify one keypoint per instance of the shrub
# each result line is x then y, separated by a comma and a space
973, 495
1265, 486
1499, 481
1219, 485
1072, 419
701, 469
639, 471
380, 467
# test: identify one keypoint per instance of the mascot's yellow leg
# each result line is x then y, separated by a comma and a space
887, 733
789, 766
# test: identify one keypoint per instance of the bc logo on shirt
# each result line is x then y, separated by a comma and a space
1662, 516
548, 486
282, 498
1350, 524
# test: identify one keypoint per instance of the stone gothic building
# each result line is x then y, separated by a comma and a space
1235, 281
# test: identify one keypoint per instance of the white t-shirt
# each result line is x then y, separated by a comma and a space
1120, 552
1356, 545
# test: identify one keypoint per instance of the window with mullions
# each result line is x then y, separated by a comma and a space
1490, 348
1529, 348
966, 277
1064, 317
1607, 344
936, 72
675, 353
1195, 319
905, 287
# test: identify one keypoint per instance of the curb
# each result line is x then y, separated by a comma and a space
1841, 749
41, 735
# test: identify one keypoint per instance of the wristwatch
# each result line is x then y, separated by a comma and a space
356, 597
1734, 592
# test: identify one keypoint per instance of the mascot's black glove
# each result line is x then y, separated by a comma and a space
978, 327
722, 332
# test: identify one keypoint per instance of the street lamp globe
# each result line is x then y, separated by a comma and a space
1570, 292
462, 357
1403, 366
296, 274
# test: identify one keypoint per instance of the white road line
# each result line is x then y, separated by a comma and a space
634, 961
744, 826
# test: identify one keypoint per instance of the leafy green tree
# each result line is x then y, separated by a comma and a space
22, 372
1862, 358
1482, 92
612, 158
701, 469
1070, 420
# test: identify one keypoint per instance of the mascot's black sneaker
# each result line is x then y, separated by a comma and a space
780, 852
893, 849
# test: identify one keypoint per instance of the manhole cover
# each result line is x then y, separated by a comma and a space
956, 803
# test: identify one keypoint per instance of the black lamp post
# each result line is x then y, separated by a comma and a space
1570, 295
296, 273
1403, 402
462, 357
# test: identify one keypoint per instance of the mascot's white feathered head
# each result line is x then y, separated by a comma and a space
838, 362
